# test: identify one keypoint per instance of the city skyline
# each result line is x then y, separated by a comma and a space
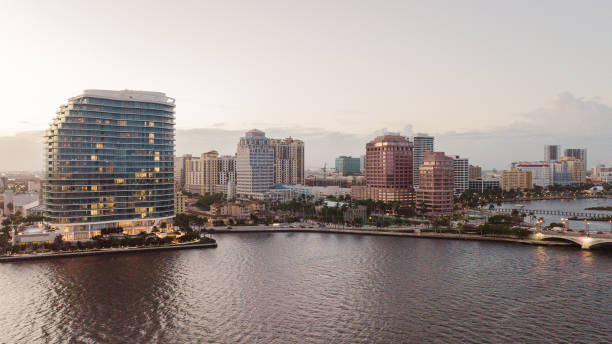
456, 72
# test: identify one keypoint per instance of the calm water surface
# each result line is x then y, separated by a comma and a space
314, 288
577, 205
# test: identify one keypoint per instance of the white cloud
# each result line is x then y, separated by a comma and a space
569, 121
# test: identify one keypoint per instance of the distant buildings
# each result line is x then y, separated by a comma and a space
600, 170
109, 163
346, 165
576, 168
21, 202
541, 172
435, 195
462, 174
389, 161
288, 161
564, 171
516, 179
362, 163
552, 153
475, 172
422, 143
179, 170
579, 153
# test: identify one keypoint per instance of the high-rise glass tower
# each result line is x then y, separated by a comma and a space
109, 163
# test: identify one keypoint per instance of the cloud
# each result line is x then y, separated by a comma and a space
569, 121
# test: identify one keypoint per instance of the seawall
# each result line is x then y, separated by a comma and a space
26, 257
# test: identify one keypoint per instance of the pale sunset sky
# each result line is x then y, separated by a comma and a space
492, 80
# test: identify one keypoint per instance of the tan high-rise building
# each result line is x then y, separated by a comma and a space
576, 168
209, 173
475, 172
516, 179
288, 161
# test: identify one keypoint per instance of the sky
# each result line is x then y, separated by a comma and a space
493, 81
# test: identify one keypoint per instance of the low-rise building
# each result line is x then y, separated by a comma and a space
516, 179
37, 233
482, 184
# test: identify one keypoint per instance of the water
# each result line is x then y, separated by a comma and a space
578, 205
314, 288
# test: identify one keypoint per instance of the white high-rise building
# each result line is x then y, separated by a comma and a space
227, 169
194, 178
462, 174
254, 165
422, 143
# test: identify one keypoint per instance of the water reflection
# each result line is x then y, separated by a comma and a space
320, 288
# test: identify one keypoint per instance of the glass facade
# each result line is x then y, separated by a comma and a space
109, 163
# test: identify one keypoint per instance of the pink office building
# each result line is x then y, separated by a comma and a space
437, 184
388, 170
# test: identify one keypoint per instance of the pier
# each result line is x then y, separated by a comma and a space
564, 213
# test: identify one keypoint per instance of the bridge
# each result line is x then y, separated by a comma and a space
564, 213
585, 241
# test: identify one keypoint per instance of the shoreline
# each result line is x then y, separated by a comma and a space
108, 251
443, 236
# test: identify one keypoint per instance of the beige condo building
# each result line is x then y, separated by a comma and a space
210, 173
288, 161
516, 179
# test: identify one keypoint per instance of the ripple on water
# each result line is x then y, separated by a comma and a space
316, 288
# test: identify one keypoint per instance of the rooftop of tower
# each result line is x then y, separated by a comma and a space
129, 95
